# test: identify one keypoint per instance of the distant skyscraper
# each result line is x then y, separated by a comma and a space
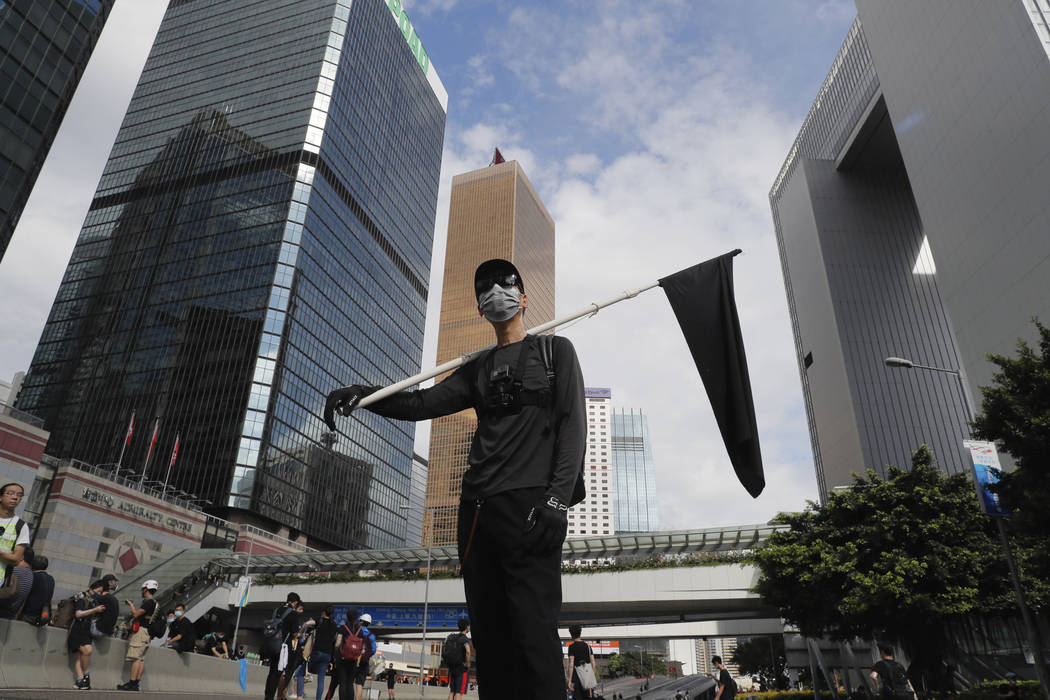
911, 218
44, 47
417, 498
494, 213
594, 516
260, 236
635, 488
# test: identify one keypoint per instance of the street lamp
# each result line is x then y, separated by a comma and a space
426, 593
1030, 630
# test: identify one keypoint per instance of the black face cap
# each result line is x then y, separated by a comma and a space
493, 269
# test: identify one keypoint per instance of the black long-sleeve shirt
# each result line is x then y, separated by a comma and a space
538, 446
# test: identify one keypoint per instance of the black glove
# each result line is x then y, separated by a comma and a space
550, 521
344, 400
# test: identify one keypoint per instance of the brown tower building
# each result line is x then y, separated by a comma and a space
494, 213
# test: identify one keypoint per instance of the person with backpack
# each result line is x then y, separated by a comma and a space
79, 641
354, 647
276, 633
145, 623
726, 684
525, 472
455, 656
891, 677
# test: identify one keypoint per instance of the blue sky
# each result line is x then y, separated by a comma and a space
652, 131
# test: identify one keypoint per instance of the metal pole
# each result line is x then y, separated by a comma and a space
1031, 631
247, 587
590, 310
426, 601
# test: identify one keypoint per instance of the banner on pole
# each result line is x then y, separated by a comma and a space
986, 470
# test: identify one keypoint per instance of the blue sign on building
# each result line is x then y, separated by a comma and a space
411, 616
986, 472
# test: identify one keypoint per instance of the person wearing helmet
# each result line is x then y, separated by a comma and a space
138, 640
525, 469
369, 648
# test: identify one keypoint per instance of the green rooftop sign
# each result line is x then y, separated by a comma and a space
410, 35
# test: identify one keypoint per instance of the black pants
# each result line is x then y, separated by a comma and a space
272, 678
514, 598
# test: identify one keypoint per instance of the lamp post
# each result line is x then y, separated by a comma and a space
247, 586
426, 593
1030, 629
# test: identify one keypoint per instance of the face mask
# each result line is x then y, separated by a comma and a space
178, 613
499, 304
171, 619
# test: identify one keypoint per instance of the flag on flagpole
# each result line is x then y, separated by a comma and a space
131, 429
703, 301
174, 452
152, 444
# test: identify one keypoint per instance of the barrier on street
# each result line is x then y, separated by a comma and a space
36, 657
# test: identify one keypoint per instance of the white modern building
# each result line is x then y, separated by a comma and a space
595, 515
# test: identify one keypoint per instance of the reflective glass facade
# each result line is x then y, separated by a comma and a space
494, 212
44, 47
261, 235
632, 456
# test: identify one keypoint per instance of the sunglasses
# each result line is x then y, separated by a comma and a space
485, 284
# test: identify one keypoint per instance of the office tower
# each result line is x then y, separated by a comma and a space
595, 515
260, 236
494, 212
708, 647
632, 461
9, 390
44, 47
911, 219
417, 499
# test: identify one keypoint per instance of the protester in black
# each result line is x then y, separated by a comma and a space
107, 621
37, 608
726, 684
290, 623
324, 646
579, 654
525, 468
182, 637
79, 641
459, 669
391, 679
892, 677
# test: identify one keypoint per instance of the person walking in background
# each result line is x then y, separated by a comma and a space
79, 641
287, 621
391, 679
324, 646
138, 639
891, 677
455, 654
37, 608
726, 684
579, 655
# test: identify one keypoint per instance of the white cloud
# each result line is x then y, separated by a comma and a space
582, 164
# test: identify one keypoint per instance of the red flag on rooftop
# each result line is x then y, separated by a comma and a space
497, 158
174, 452
131, 429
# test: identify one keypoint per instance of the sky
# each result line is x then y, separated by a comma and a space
652, 131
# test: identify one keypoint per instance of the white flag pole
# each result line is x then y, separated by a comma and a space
589, 310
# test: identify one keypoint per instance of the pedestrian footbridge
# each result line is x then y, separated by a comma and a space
691, 592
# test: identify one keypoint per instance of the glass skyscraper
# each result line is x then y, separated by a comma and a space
44, 47
635, 488
260, 236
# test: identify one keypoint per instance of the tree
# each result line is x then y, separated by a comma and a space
1015, 413
636, 663
893, 558
763, 657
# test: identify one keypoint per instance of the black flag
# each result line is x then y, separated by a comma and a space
702, 299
